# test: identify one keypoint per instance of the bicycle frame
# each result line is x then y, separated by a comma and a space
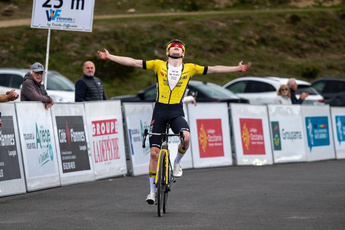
167, 179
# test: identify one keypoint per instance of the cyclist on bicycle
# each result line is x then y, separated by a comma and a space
172, 79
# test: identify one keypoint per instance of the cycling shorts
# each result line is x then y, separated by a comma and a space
163, 114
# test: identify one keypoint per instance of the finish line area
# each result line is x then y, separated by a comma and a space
283, 196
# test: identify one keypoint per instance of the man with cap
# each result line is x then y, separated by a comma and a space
172, 79
33, 89
89, 87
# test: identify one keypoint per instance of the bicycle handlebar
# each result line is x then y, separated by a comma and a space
181, 135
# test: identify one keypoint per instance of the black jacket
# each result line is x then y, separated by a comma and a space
89, 89
294, 99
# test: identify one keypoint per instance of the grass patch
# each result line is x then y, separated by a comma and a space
286, 44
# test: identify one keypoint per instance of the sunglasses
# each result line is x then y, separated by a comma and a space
176, 44
39, 73
284, 89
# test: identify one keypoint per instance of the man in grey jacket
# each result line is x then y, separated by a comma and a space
32, 88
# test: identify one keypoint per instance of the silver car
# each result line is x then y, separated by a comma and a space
263, 90
60, 88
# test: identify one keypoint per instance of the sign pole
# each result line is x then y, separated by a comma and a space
73, 15
47, 61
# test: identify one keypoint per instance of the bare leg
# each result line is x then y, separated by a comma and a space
181, 152
153, 168
152, 174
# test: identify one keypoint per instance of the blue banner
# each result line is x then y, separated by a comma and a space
317, 130
340, 128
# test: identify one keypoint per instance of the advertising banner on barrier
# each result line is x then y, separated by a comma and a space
252, 135
138, 118
11, 169
338, 124
287, 133
38, 146
105, 128
210, 134
319, 137
71, 134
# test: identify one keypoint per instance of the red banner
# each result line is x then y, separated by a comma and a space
252, 136
104, 127
210, 137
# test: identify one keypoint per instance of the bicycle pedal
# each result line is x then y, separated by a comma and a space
174, 181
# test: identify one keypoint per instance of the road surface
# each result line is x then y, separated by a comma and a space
308, 196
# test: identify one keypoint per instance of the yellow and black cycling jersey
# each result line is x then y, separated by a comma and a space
164, 94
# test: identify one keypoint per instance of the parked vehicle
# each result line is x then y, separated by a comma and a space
263, 90
60, 88
206, 92
332, 89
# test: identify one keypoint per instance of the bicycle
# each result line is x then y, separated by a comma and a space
164, 176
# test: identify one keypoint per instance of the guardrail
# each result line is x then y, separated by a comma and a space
82, 142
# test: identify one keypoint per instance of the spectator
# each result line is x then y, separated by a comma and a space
191, 98
33, 89
284, 96
9, 96
89, 87
293, 87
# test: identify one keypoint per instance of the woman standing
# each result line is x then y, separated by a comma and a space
284, 96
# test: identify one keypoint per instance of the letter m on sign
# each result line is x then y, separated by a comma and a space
82, 2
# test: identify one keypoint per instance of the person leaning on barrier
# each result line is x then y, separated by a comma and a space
190, 99
172, 78
33, 89
293, 87
9, 96
89, 87
283, 96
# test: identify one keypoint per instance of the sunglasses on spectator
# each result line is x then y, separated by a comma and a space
39, 73
284, 89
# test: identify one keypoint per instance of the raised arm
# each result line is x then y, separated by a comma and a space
127, 61
228, 69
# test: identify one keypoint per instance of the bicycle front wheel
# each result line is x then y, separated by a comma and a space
161, 185
165, 204
168, 186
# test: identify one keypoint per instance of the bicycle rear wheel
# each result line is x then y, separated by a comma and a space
161, 186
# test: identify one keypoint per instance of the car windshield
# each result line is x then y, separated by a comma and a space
215, 91
58, 82
306, 89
